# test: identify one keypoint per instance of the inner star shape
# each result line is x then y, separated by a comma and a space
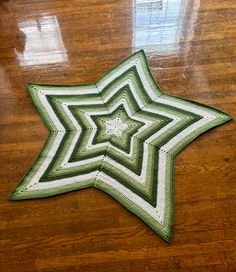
120, 135
115, 127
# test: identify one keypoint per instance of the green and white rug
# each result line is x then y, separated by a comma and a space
121, 135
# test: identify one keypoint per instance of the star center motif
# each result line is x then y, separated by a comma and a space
115, 127
120, 135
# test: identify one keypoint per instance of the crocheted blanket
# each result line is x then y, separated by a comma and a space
121, 135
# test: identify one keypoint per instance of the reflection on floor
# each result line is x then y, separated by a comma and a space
43, 42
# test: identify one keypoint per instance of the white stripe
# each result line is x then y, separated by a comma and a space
62, 182
161, 186
68, 90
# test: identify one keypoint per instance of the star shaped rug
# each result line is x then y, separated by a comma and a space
120, 135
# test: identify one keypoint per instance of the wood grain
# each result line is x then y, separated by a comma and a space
191, 47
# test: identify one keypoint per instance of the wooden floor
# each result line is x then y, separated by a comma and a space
191, 47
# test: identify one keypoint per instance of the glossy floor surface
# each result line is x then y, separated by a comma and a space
191, 48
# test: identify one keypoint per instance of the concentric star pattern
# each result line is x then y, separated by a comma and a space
120, 135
